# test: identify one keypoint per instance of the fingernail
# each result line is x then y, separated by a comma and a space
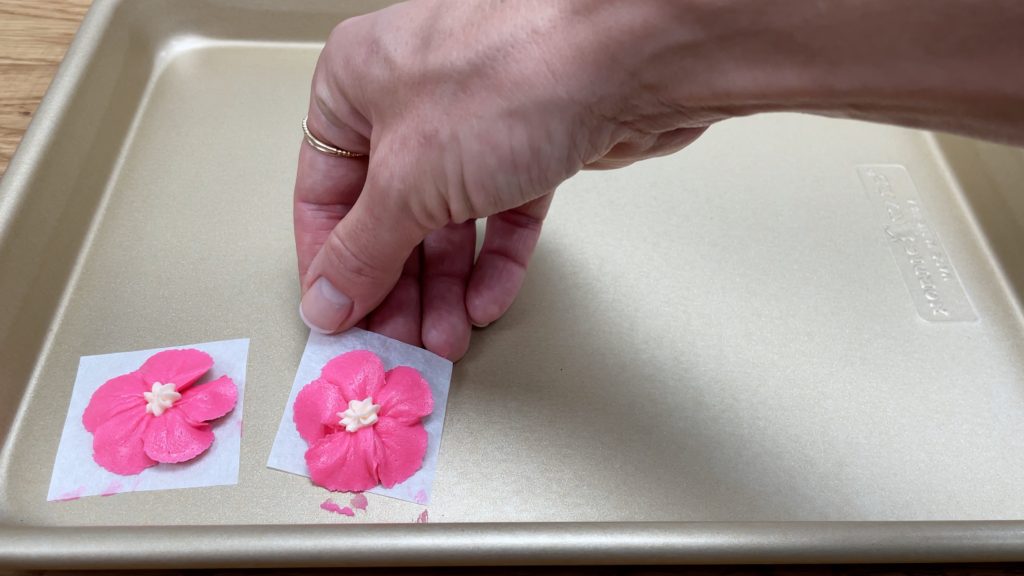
479, 325
324, 307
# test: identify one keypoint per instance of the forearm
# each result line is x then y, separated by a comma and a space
953, 65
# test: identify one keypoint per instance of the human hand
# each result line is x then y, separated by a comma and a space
465, 110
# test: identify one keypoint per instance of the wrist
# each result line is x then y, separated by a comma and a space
944, 64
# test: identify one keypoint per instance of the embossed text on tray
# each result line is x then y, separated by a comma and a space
934, 286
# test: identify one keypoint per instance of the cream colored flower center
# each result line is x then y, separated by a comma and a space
161, 398
360, 413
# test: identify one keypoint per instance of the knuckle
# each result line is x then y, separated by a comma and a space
343, 31
522, 221
343, 256
404, 190
354, 43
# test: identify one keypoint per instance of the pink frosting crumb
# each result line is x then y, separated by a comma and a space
331, 506
359, 502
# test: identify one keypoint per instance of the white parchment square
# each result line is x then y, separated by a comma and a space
76, 474
288, 452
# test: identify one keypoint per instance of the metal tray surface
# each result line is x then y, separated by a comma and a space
717, 356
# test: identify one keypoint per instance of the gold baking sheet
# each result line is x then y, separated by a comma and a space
717, 356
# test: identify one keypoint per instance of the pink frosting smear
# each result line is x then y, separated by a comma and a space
72, 495
128, 437
331, 506
113, 488
423, 518
386, 451
359, 502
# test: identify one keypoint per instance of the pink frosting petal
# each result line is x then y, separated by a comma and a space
172, 438
208, 401
316, 410
118, 446
344, 461
400, 449
357, 374
115, 396
179, 367
405, 396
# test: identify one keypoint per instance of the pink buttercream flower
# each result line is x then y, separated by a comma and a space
154, 414
363, 425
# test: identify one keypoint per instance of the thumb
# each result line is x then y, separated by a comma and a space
360, 261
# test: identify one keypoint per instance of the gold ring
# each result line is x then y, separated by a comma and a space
321, 146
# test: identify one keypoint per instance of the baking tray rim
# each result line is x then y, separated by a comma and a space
513, 544
456, 543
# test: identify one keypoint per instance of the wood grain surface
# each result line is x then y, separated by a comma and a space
33, 38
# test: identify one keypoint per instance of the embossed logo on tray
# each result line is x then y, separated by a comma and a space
934, 286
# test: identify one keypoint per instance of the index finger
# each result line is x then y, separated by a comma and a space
326, 186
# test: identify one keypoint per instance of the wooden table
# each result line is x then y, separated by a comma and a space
33, 38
